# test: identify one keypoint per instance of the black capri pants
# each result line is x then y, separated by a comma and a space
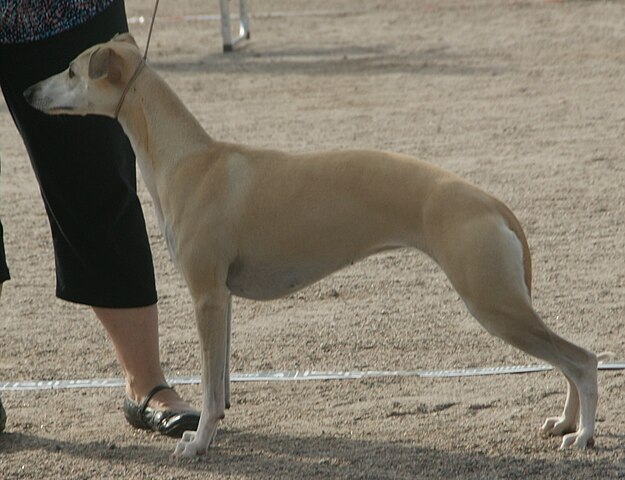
86, 172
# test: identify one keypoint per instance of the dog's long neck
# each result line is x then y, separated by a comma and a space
160, 128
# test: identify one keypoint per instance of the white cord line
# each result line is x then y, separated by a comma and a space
295, 376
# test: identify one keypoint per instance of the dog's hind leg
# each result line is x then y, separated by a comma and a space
524, 329
211, 311
490, 274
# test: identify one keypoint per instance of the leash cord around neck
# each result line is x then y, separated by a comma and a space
139, 67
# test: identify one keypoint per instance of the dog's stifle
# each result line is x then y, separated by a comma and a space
261, 224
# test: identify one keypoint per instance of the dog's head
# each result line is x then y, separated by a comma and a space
93, 83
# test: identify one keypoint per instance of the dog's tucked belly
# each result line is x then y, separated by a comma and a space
270, 281
267, 281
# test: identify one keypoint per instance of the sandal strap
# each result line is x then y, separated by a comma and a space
151, 393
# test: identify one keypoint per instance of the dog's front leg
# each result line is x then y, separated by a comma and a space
211, 313
229, 341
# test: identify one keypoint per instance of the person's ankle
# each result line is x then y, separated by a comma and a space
137, 389
166, 399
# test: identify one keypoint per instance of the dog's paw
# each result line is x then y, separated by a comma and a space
188, 446
557, 426
580, 439
191, 444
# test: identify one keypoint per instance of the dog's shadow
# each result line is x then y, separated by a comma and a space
253, 455
337, 60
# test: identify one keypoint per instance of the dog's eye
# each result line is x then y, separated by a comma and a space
70, 73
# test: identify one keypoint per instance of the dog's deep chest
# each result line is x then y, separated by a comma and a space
265, 281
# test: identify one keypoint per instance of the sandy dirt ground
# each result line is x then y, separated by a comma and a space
524, 98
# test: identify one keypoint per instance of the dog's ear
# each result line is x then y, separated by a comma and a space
105, 63
125, 37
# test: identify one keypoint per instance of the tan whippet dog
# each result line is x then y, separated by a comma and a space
261, 224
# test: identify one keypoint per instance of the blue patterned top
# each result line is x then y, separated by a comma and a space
29, 20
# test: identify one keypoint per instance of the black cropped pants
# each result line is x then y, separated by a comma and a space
87, 176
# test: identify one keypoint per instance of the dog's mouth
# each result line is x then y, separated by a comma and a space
58, 109
51, 110
33, 97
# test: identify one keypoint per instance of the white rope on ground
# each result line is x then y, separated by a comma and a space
296, 376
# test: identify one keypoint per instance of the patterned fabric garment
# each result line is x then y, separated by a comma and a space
29, 20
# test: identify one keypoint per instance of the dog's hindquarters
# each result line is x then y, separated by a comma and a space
483, 251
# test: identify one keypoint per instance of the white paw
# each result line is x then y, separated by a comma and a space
192, 444
556, 426
188, 446
579, 439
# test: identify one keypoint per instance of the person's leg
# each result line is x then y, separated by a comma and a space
4, 270
3, 417
86, 171
4, 275
134, 333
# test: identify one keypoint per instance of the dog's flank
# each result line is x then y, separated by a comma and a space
262, 223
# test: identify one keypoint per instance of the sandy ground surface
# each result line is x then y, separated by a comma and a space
524, 98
